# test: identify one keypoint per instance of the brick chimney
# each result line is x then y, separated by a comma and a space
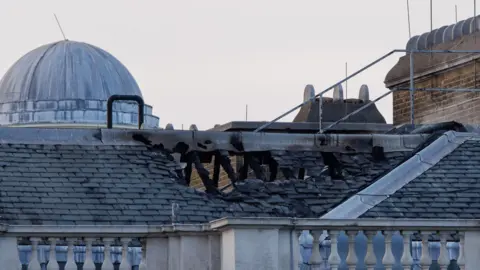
440, 70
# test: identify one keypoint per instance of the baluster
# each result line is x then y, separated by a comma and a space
334, 258
305, 248
388, 259
143, 262
296, 245
107, 261
89, 264
407, 259
370, 259
461, 254
19, 265
325, 248
316, 258
34, 263
425, 259
52, 258
71, 264
351, 259
443, 259
125, 264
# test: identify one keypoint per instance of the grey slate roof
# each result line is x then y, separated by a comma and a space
74, 184
318, 193
90, 177
449, 189
102, 184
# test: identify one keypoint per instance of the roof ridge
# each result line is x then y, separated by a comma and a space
403, 174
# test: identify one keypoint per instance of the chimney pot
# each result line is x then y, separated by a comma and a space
308, 93
338, 93
364, 94
193, 127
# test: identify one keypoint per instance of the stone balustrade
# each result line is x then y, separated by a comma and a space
350, 244
247, 243
109, 247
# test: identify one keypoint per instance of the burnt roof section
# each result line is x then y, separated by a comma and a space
448, 190
88, 176
319, 193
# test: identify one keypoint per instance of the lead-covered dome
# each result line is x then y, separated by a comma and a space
68, 82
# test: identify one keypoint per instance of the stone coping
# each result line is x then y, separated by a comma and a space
242, 223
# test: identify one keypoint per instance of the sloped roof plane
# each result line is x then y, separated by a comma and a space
88, 176
441, 181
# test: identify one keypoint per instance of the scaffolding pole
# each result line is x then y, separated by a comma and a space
412, 91
473, 90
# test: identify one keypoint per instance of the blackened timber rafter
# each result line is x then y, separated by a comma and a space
226, 163
193, 159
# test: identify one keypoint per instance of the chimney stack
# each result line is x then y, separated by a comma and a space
338, 93
364, 94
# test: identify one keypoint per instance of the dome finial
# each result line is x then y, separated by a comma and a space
60, 26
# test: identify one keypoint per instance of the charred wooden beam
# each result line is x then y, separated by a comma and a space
257, 169
301, 173
246, 164
216, 170
273, 168
226, 164
287, 173
334, 166
203, 173
188, 172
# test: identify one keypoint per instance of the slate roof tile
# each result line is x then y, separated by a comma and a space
449, 189
317, 195
112, 184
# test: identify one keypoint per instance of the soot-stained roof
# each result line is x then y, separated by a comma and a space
83, 176
319, 193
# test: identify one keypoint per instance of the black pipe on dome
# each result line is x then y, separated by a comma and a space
113, 98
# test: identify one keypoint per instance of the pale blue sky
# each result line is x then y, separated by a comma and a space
202, 61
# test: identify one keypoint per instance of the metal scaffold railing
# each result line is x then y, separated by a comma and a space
411, 88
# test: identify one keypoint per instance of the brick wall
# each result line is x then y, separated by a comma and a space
436, 106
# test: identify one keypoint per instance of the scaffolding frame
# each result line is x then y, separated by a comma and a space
411, 88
